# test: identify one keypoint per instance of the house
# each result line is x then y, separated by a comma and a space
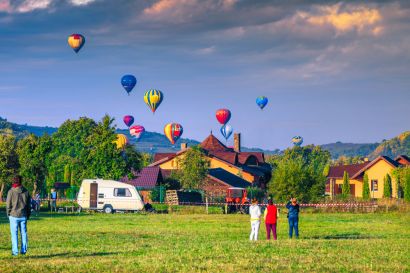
376, 170
229, 167
145, 181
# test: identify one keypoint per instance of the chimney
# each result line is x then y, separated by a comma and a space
237, 142
184, 146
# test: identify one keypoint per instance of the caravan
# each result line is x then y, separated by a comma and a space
108, 195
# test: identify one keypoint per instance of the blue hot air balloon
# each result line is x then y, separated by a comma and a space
297, 140
226, 131
262, 101
128, 82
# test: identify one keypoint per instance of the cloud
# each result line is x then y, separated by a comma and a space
81, 2
26, 6
5, 6
206, 50
31, 5
344, 18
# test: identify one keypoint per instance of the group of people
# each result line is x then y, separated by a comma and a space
270, 216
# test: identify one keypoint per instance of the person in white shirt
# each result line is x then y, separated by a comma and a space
255, 213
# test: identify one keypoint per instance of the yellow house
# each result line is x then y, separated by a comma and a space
248, 166
376, 171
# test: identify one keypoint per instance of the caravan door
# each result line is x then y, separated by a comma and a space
93, 195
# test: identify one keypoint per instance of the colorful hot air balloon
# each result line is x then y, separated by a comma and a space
173, 131
121, 141
128, 120
76, 42
153, 99
128, 82
297, 140
223, 116
226, 131
262, 101
137, 131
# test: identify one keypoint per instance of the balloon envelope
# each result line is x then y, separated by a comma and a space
128, 82
226, 131
297, 140
76, 41
153, 99
223, 116
261, 101
137, 131
128, 120
121, 141
173, 131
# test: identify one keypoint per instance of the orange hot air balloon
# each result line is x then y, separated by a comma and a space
121, 141
76, 42
173, 131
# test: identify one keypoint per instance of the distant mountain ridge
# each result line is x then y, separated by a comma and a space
152, 142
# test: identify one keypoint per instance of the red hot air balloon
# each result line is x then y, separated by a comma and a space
223, 116
173, 131
128, 120
137, 131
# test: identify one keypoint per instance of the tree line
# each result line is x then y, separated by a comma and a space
79, 149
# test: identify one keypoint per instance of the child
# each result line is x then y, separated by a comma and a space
255, 213
271, 216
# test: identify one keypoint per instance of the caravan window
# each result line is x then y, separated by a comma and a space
122, 192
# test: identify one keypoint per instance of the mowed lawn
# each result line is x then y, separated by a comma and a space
209, 243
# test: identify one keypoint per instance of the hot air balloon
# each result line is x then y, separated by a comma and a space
128, 82
223, 116
128, 120
262, 101
226, 131
297, 140
137, 131
121, 141
76, 42
173, 131
153, 99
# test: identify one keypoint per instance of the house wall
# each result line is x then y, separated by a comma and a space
214, 163
358, 186
377, 172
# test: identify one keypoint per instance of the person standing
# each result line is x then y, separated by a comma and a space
293, 217
53, 197
18, 206
255, 213
271, 217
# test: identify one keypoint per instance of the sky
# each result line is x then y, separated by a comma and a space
332, 71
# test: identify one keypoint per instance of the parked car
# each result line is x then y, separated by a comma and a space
109, 196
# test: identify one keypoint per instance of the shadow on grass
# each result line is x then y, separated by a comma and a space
69, 255
344, 236
43, 215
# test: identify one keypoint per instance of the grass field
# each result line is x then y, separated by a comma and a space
210, 243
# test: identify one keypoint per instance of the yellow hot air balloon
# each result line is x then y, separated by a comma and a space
121, 141
153, 99
173, 131
76, 42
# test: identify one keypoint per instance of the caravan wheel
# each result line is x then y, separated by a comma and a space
108, 209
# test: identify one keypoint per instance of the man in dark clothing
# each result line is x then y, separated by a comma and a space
293, 217
18, 211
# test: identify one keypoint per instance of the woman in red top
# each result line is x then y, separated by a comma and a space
271, 216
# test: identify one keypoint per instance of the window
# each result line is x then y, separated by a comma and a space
122, 192
375, 185
101, 195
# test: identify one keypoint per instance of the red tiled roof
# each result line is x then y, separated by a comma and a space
338, 171
385, 158
212, 144
230, 157
159, 156
243, 157
403, 159
147, 178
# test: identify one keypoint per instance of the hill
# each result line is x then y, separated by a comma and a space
399, 145
349, 149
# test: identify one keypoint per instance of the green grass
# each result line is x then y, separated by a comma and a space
210, 243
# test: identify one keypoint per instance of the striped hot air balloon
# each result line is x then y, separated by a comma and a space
137, 131
121, 141
297, 140
173, 131
153, 99
76, 42
226, 131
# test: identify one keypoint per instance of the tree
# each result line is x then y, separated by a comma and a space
67, 174
387, 187
8, 160
346, 185
299, 172
366, 189
193, 168
406, 179
32, 152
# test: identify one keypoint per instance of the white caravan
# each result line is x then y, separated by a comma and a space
108, 195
